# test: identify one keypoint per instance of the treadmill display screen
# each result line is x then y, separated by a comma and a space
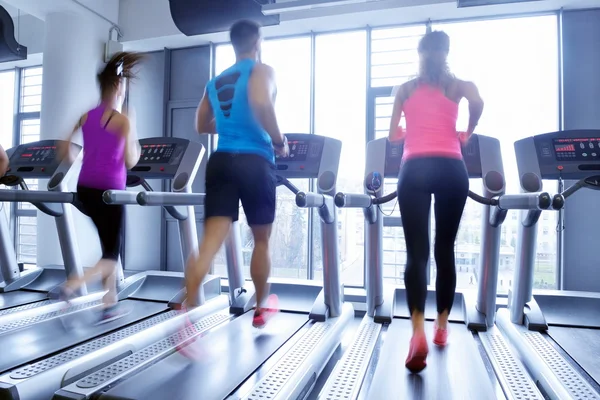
298, 150
157, 153
36, 155
583, 149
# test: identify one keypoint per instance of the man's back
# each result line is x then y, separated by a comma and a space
238, 128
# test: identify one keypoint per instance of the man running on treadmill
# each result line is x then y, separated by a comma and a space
239, 104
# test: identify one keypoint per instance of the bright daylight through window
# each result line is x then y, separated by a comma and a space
514, 62
7, 110
340, 112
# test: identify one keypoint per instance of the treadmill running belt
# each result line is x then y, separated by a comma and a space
19, 298
583, 345
453, 372
39, 340
228, 356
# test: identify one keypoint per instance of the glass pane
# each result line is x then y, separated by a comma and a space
31, 90
291, 59
27, 239
509, 117
340, 112
394, 57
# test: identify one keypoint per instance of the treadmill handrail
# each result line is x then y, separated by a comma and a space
525, 201
120, 197
170, 199
36, 196
285, 182
310, 200
357, 200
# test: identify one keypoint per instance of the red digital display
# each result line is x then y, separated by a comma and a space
564, 147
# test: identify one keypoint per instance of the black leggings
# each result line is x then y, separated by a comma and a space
108, 220
448, 181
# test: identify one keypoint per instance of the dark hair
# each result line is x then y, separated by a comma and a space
434, 48
119, 67
244, 34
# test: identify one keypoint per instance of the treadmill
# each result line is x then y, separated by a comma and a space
557, 332
237, 360
30, 292
477, 363
52, 350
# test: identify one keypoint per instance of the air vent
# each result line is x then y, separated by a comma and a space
193, 17
10, 50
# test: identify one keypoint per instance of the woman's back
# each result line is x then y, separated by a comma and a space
103, 164
431, 123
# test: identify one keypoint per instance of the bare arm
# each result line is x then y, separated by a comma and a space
65, 149
263, 92
396, 133
205, 118
3, 161
471, 93
132, 145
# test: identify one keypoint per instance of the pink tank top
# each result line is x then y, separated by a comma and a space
430, 125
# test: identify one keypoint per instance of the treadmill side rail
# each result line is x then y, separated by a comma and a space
352, 367
384, 313
307, 358
554, 374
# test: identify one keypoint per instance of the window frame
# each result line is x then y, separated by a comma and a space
19, 117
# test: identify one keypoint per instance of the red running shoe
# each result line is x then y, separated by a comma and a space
417, 354
440, 336
264, 314
186, 348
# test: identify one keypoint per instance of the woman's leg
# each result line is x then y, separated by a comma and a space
415, 204
450, 198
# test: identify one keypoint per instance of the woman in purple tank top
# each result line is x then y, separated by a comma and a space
110, 147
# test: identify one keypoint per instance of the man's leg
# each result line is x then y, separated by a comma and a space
260, 264
257, 183
216, 230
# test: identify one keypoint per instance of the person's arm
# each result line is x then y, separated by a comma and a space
471, 93
65, 149
205, 118
263, 92
132, 145
3, 161
396, 133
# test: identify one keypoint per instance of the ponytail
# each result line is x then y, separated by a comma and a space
433, 49
120, 66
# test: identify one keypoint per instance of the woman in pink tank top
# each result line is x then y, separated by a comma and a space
110, 147
432, 165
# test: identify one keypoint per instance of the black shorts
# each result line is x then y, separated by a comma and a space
231, 177
108, 219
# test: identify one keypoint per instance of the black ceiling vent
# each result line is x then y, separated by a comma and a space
199, 17
10, 50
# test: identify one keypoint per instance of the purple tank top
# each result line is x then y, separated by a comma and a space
103, 165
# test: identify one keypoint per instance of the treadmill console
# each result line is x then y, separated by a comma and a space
573, 154
471, 155
36, 160
160, 158
311, 156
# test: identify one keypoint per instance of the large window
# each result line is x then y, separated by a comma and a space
340, 112
514, 62
291, 59
30, 102
394, 60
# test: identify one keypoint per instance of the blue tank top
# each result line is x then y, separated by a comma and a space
238, 128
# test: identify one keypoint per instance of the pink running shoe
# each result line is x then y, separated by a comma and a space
262, 316
440, 336
187, 348
417, 354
